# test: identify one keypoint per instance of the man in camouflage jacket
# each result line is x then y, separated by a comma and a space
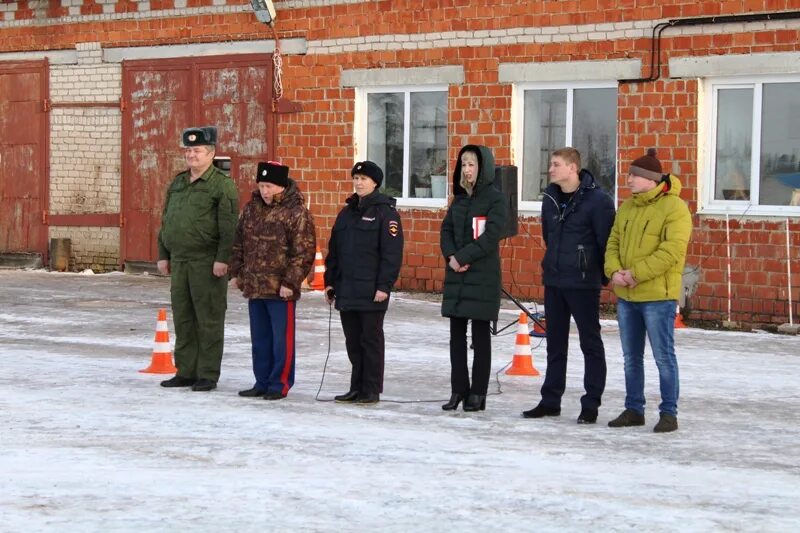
273, 252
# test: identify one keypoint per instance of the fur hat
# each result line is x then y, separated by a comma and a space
204, 136
369, 169
648, 166
273, 172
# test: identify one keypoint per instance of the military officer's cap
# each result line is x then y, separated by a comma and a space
203, 136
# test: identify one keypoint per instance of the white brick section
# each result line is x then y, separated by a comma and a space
85, 160
586, 32
617, 69
54, 57
732, 65
95, 248
288, 46
86, 83
402, 76
8, 9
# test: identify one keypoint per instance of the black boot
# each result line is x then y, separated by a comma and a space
475, 402
452, 405
204, 385
349, 397
255, 392
541, 411
178, 381
367, 398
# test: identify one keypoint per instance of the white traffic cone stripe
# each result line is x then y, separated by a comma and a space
162, 347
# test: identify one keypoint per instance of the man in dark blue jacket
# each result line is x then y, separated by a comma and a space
577, 217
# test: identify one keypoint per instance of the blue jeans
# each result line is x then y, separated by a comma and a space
657, 320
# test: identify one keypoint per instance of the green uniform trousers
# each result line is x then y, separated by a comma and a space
199, 302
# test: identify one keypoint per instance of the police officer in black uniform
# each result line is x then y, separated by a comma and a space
365, 252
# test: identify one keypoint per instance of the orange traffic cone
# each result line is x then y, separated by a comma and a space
679, 318
318, 283
522, 364
162, 353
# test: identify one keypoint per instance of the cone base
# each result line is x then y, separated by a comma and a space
522, 366
161, 364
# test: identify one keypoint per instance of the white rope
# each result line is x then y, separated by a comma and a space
277, 63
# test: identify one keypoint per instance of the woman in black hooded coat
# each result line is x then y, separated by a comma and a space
469, 239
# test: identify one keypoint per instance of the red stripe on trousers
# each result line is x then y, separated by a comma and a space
287, 366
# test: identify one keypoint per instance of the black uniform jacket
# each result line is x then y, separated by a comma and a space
365, 252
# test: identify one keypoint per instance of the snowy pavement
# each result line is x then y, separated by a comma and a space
87, 443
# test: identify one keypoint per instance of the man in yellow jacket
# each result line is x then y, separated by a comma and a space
645, 255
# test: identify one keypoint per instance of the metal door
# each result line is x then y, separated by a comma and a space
23, 156
160, 99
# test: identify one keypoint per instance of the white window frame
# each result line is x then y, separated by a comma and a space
360, 130
707, 169
518, 127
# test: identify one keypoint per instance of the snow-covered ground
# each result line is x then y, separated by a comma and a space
87, 443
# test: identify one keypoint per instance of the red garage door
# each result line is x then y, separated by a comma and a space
161, 98
23, 156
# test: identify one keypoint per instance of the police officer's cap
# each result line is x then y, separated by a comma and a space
203, 136
369, 169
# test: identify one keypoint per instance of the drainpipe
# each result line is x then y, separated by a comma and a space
655, 40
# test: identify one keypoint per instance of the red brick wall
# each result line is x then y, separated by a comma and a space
318, 142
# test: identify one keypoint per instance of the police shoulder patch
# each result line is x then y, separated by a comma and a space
394, 228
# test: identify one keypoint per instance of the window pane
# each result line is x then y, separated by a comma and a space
594, 133
780, 144
428, 156
734, 144
385, 138
544, 130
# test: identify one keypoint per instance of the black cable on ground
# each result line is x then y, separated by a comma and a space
328, 355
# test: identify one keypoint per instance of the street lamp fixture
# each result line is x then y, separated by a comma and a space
265, 11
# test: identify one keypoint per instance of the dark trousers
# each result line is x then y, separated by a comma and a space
584, 306
199, 301
481, 361
272, 336
363, 337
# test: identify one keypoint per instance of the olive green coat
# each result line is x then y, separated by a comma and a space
199, 219
649, 237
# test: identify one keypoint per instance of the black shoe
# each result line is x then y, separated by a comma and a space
178, 381
366, 398
541, 411
627, 418
475, 402
252, 393
452, 405
587, 416
666, 423
274, 396
204, 385
348, 397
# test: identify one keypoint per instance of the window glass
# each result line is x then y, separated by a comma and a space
734, 144
592, 113
385, 138
417, 169
545, 130
428, 139
594, 133
780, 144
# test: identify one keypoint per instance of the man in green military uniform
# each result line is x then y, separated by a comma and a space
194, 247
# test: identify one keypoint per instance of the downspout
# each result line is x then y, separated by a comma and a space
655, 45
